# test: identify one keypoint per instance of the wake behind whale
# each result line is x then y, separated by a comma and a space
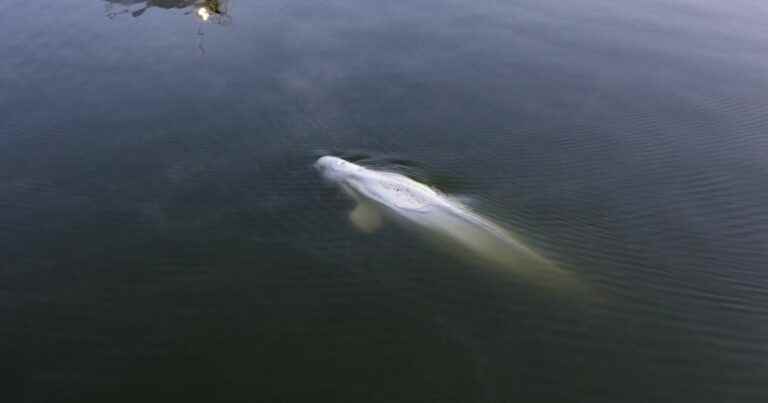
382, 195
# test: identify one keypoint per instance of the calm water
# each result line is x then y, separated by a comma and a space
163, 236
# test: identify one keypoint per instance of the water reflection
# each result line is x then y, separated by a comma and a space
216, 11
206, 11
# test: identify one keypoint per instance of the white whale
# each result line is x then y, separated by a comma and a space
381, 195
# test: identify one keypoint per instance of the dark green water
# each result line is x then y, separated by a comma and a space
163, 236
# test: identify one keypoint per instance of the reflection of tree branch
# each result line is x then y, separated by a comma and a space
139, 11
200, 36
216, 10
112, 14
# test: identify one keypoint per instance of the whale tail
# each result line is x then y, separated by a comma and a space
483, 243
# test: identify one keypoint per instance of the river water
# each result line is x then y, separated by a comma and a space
164, 237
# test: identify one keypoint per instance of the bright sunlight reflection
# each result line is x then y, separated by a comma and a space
204, 13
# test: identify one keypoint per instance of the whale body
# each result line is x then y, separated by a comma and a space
382, 195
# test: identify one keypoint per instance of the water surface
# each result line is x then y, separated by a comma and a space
164, 237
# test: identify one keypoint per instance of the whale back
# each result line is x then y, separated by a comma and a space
397, 191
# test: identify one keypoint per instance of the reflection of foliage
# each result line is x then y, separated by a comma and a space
215, 11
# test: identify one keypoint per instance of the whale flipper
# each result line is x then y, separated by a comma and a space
365, 217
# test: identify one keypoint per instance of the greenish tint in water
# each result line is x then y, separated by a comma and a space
163, 235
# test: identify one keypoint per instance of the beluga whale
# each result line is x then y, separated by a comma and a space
388, 196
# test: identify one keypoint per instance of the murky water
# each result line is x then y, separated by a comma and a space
164, 237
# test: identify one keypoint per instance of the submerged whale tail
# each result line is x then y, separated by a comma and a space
483, 243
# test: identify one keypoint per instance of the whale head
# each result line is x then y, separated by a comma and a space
335, 169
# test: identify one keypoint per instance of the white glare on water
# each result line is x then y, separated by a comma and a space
204, 13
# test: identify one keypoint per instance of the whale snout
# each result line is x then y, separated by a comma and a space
325, 165
325, 162
334, 167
